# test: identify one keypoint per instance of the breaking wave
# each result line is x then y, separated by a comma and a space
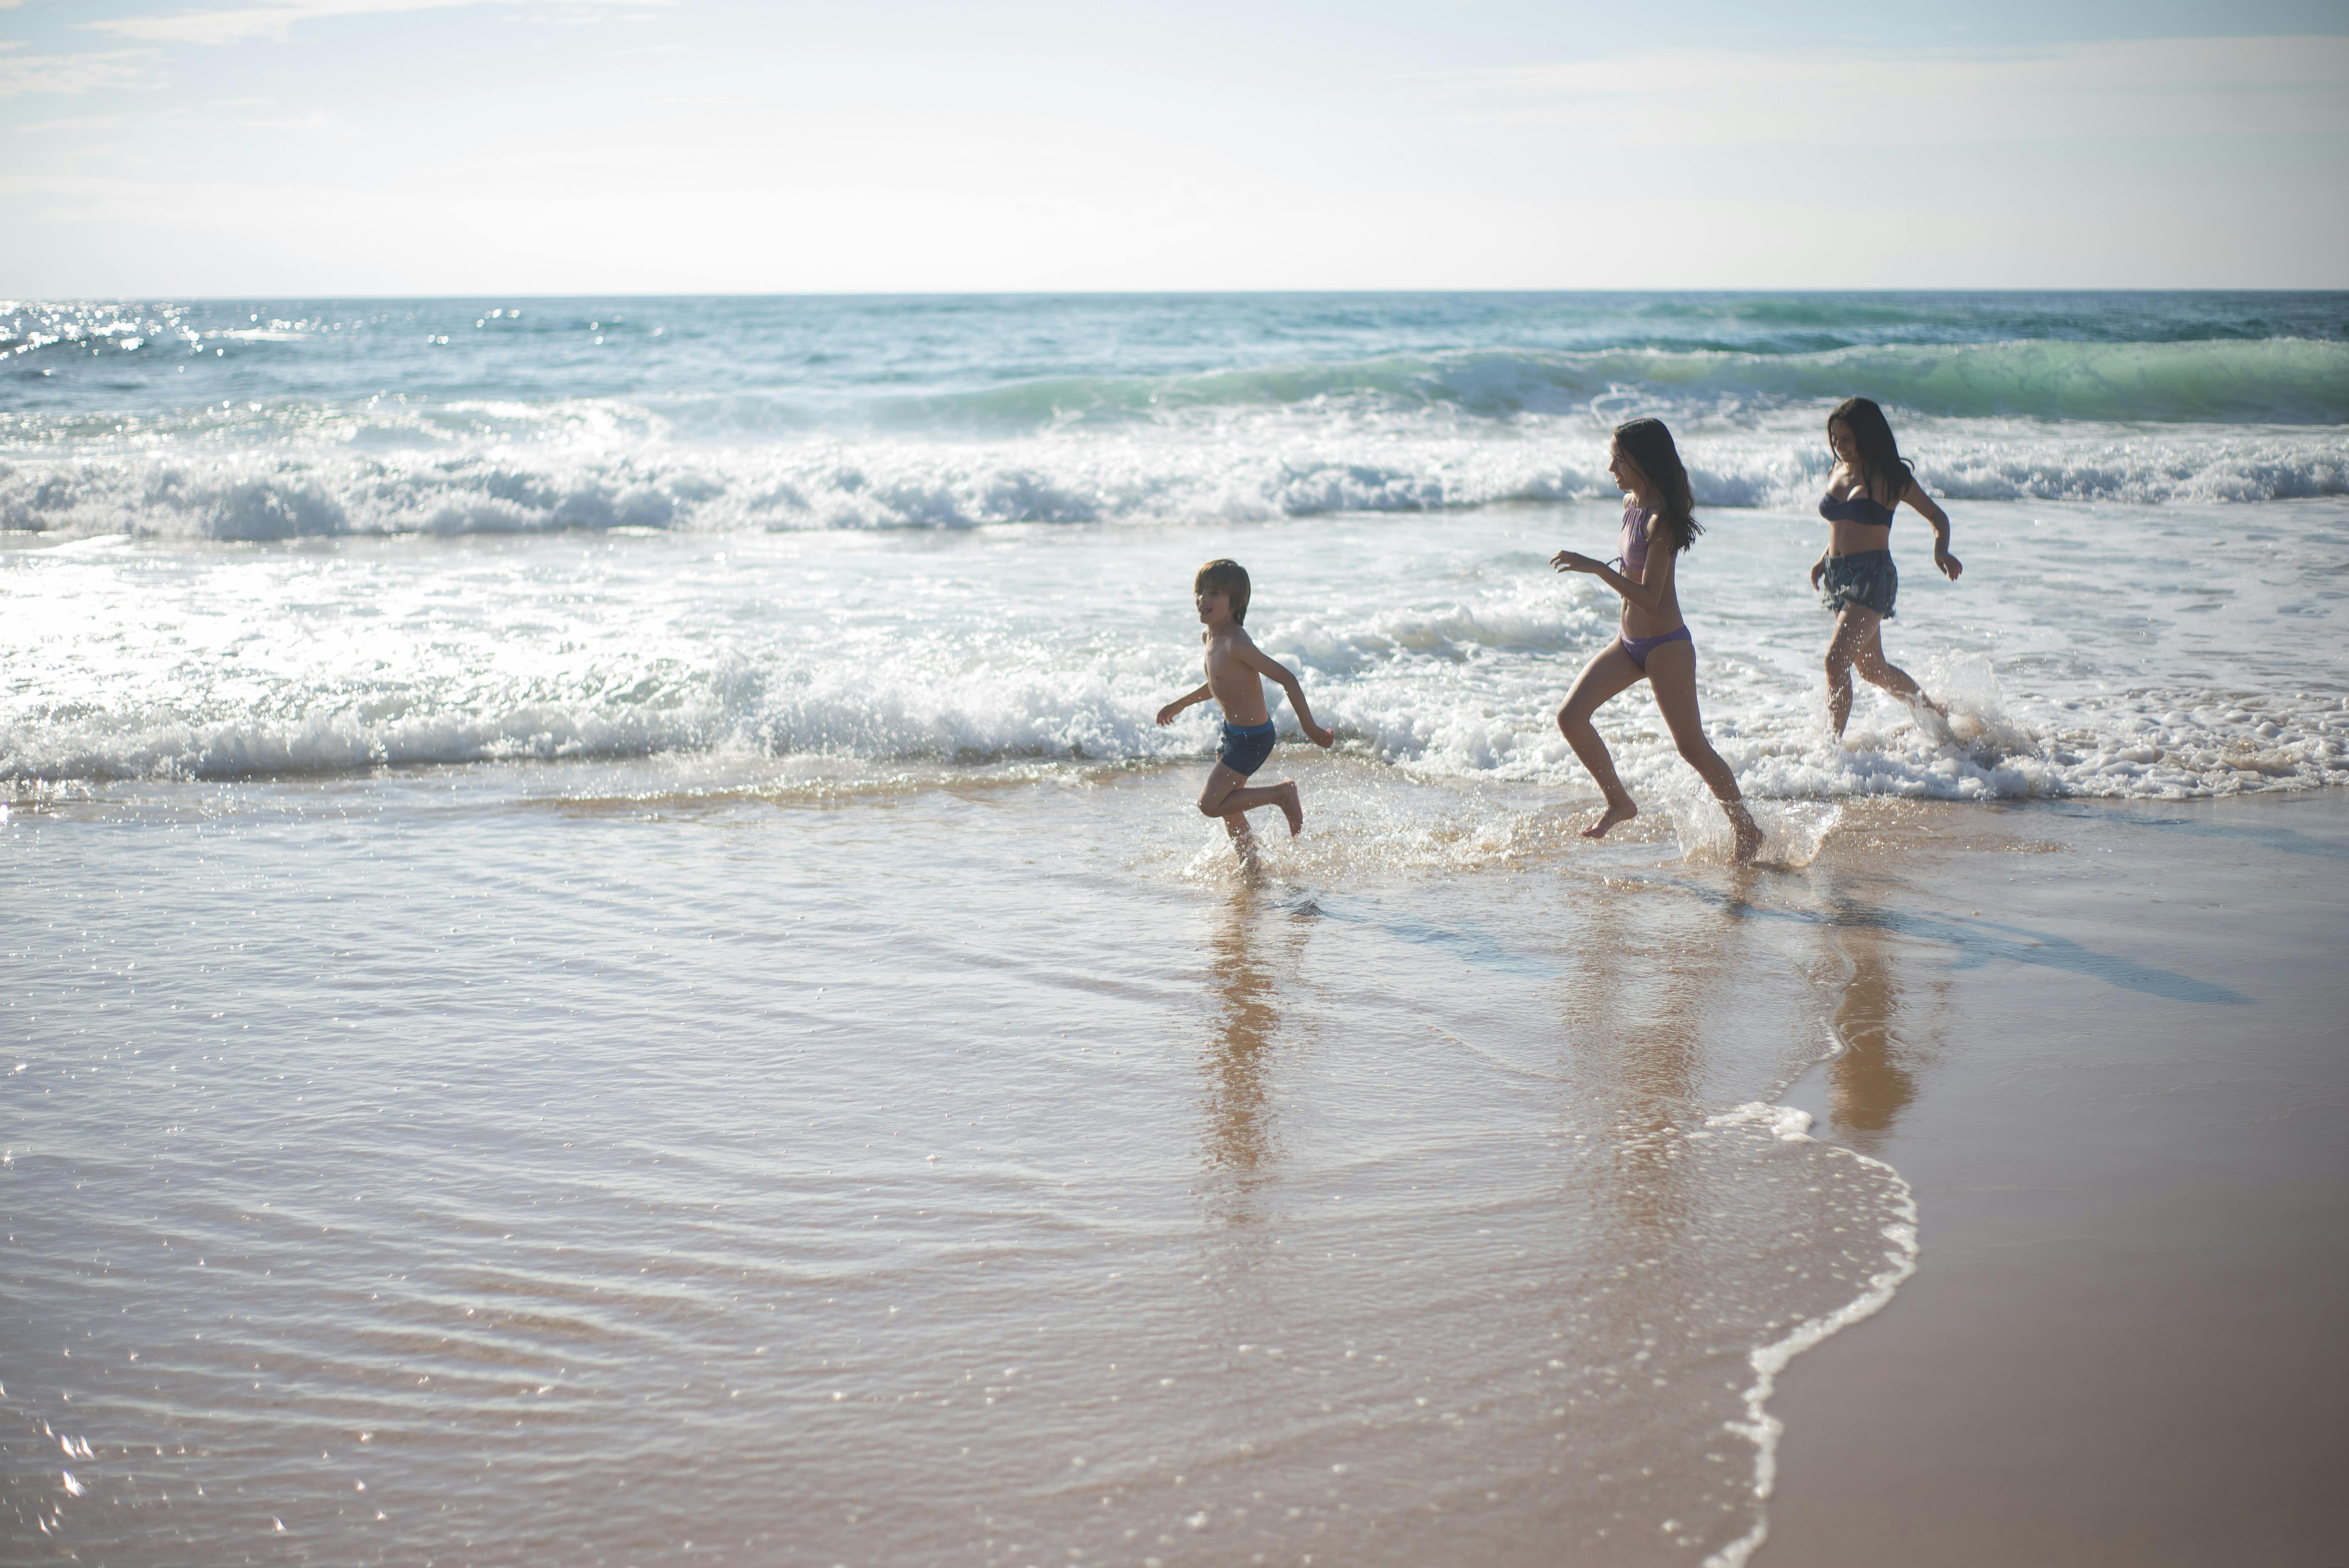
2271, 382
1266, 468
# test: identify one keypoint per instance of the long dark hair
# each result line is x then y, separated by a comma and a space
1650, 445
1881, 466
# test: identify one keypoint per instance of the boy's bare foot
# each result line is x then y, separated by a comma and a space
1615, 812
1290, 806
1749, 837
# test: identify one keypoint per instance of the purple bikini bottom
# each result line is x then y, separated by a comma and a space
1638, 647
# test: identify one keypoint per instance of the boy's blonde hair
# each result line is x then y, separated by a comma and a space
1228, 578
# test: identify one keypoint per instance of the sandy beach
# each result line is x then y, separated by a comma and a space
2118, 1091
993, 1174
988, 1172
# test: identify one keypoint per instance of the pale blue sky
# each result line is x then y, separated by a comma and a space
315, 147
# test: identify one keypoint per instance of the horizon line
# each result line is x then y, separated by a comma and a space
1166, 293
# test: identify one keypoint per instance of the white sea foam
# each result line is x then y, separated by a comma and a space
1761, 1428
136, 660
559, 595
391, 467
1787, 1123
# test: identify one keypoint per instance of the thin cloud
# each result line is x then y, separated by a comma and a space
706, 100
2154, 86
88, 122
110, 68
275, 20
317, 122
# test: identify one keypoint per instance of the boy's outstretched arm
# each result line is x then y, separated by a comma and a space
1166, 714
1279, 674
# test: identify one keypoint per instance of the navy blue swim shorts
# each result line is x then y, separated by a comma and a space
1245, 750
1866, 580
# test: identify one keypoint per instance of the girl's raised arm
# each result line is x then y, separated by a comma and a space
1931, 510
1655, 578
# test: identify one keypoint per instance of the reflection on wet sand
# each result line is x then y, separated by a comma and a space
1247, 967
1873, 1079
1649, 980
1629, 1036
1664, 992
1871, 1084
1653, 982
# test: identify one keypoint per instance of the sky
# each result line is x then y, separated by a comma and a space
327, 148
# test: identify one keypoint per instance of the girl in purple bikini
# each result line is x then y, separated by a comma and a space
1655, 645
1870, 478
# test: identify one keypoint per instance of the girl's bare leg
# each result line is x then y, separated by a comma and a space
1671, 676
1608, 673
1848, 631
1878, 671
1859, 644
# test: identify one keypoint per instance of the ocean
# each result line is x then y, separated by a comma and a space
608, 964
322, 535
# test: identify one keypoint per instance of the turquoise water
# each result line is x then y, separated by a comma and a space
841, 356
278, 418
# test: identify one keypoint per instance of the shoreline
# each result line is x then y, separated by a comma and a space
2051, 1384
1771, 1362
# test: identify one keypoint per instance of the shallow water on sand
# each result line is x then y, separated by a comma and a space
521, 1162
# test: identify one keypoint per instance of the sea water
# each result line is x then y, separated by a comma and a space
606, 962
888, 533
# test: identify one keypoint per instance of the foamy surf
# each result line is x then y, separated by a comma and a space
1224, 469
1442, 656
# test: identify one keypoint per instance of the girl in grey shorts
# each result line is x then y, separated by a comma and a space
1855, 575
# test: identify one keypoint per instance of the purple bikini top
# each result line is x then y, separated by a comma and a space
1635, 541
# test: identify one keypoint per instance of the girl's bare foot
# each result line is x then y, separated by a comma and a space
1932, 718
1291, 807
1917, 697
1749, 837
1617, 811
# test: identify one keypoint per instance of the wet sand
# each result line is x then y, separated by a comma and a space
2123, 1342
528, 1164
515, 1165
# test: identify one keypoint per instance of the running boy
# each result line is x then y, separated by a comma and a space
1234, 666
